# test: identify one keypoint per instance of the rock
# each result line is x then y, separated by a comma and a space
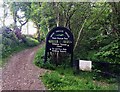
85, 65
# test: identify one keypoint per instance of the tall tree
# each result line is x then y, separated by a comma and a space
20, 13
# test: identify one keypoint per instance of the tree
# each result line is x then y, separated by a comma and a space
115, 18
5, 7
20, 13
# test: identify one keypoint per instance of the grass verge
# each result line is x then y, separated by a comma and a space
61, 78
7, 51
12, 51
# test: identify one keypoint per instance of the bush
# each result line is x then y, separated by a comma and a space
39, 60
51, 62
63, 78
9, 41
110, 52
31, 41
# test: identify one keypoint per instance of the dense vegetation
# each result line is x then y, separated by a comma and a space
66, 78
11, 44
95, 26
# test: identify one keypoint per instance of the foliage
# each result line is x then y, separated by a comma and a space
39, 60
110, 52
9, 40
96, 40
16, 8
63, 78
50, 63
11, 50
11, 44
31, 41
99, 29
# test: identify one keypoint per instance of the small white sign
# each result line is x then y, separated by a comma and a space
85, 65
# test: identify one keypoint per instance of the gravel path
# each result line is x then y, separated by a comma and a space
21, 74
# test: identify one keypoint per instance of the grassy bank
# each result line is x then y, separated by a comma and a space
10, 50
61, 78
68, 81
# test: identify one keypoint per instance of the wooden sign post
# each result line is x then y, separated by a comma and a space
59, 40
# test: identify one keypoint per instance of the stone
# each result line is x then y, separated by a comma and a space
85, 65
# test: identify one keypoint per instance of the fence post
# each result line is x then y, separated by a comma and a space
76, 67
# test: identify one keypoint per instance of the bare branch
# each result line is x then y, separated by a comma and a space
79, 34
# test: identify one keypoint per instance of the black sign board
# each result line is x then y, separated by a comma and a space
59, 40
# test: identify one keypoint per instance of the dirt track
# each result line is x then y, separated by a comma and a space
21, 74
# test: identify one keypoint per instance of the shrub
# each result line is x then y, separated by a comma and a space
110, 52
39, 60
31, 41
9, 41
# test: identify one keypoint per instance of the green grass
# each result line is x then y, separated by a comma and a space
31, 41
64, 79
61, 78
38, 61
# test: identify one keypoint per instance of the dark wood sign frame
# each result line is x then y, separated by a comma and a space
59, 39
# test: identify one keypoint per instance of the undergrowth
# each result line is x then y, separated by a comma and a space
64, 78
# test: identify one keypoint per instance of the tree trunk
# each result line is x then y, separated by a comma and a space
28, 28
79, 34
115, 17
4, 17
38, 35
4, 13
15, 18
58, 15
